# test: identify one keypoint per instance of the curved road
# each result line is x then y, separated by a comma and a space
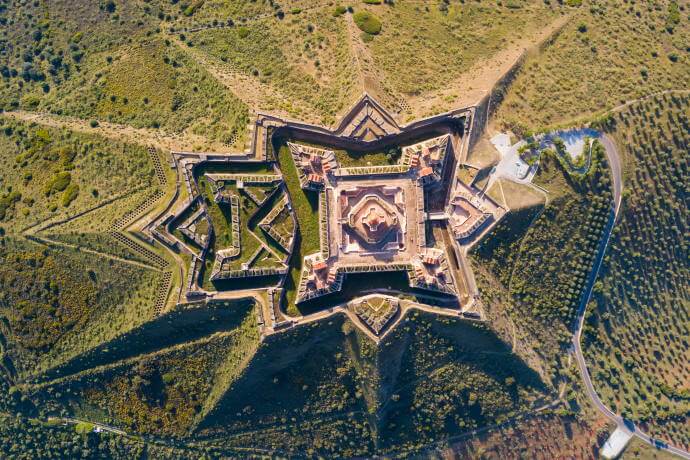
627, 426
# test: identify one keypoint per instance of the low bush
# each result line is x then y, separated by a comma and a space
58, 182
367, 22
70, 194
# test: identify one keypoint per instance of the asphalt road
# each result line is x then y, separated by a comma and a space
628, 427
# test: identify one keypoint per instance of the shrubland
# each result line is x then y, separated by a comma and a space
53, 173
53, 305
417, 386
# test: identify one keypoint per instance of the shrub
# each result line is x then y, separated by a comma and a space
70, 194
367, 22
243, 32
339, 11
58, 182
93, 123
83, 427
582, 27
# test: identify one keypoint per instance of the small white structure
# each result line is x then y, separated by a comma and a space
615, 444
510, 166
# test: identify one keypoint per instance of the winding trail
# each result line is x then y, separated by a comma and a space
624, 425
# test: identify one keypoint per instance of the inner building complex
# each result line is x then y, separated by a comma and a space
387, 199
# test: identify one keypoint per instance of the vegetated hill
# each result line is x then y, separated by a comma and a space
45, 43
28, 439
610, 52
326, 389
58, 302
50, 173
152, 83
545, 436
636, 336
162, 392
532, 267
424, 45
110, 62
305, 62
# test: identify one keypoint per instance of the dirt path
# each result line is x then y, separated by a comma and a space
142, 136
470, 87
626, 104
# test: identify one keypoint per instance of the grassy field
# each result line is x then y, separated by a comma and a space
306, 207
44, 164
436, 43
303, 59
609, 52
636, 334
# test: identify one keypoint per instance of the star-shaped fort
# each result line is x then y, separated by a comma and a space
313, 221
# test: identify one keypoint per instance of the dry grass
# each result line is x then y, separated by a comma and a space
609, 52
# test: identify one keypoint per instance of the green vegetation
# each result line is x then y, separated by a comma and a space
69, 195
367, 22
533, 266
308, 69
326, 389
636, 333
53, 307
250, 214
48, 169
83, 427
24, 438
347, 158
306, 208
164, 392
425, 47
181, 97
80, 333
